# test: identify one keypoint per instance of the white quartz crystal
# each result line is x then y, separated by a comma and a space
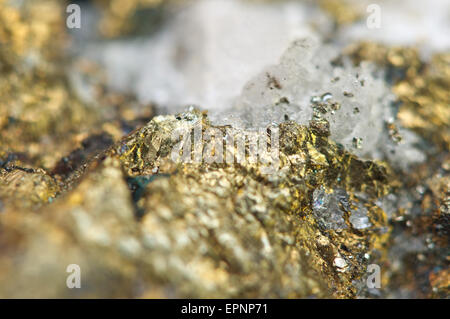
308, 71
359, 219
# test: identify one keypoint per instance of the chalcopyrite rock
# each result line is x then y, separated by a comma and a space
354, 168
206, 229
27, 188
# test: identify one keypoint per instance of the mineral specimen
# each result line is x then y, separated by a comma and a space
205, 229
305, 71
356, 138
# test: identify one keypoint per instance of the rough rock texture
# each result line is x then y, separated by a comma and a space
88, 176
200, 230
38, 105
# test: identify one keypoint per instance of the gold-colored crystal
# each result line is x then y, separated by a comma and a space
94, 183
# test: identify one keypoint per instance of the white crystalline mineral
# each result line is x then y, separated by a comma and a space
309, 73
326, 208
358, 218
206, 51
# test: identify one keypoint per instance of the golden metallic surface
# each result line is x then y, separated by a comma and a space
38, 105
94, 183
217, 229
27, 188
422, 88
